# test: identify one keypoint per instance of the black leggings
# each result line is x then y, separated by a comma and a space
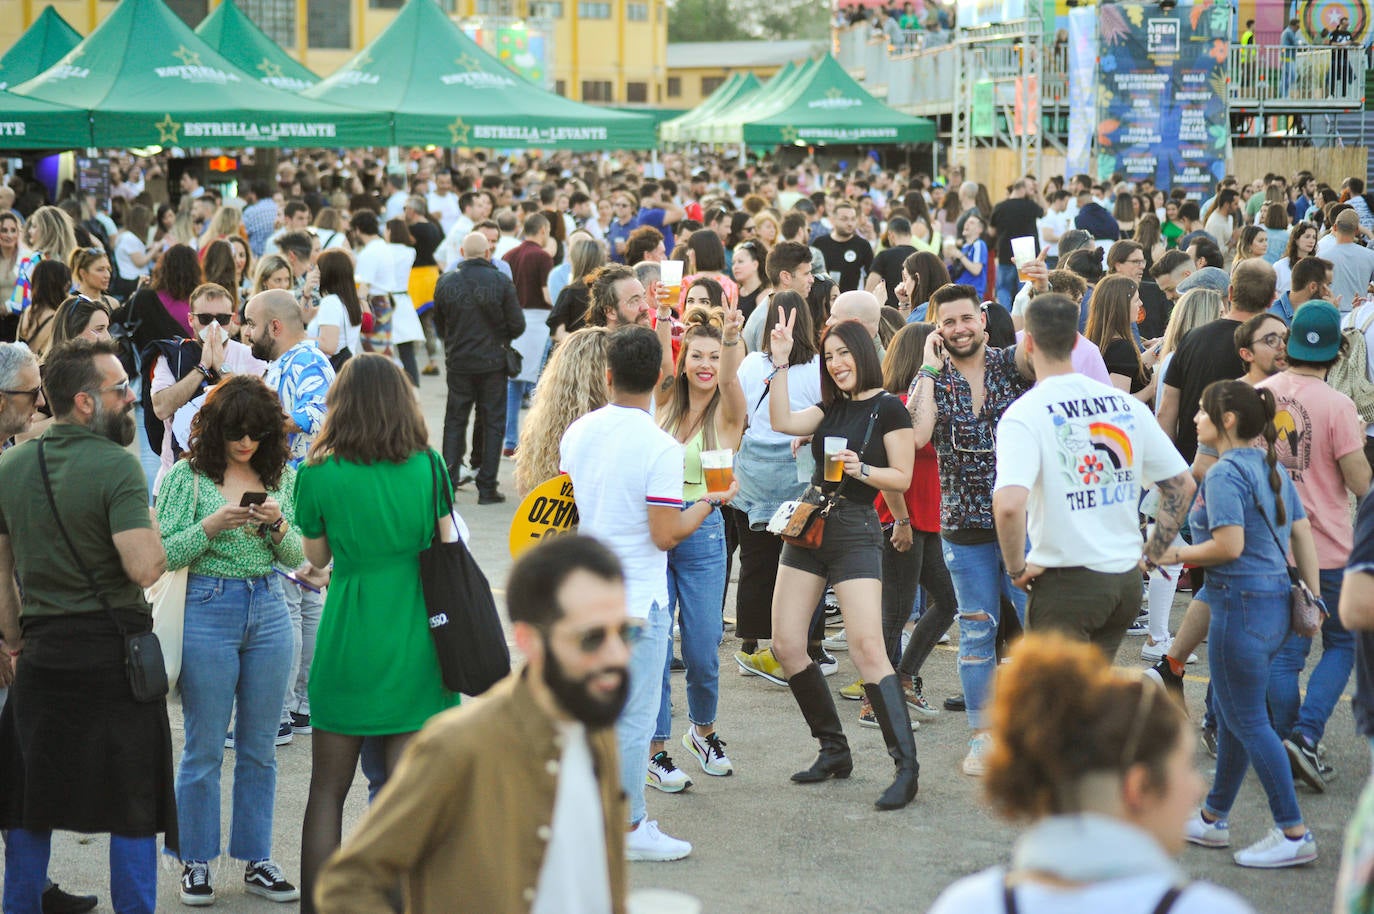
407, 353
759, 555
922, 564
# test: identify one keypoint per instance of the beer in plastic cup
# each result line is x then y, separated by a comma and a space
1022, 252
718, 468
670, 275
834, 466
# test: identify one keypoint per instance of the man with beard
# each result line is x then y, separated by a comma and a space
300, 374
472, 812
956, 400
847, 256
77, 751
1262, 344
618, 299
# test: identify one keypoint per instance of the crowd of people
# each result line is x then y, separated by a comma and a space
898, 406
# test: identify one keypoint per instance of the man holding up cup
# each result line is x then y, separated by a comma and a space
1011, 220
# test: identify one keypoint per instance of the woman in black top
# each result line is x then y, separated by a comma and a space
1115, 302
877, 456
424, 274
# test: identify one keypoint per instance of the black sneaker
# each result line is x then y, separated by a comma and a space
1164, 674
56, 901
195, 885
677, 666
1209, 739
300, 723
490, 498
1302, 755
263, 877
955, 703
283, 734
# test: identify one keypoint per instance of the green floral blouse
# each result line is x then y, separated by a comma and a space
241, 553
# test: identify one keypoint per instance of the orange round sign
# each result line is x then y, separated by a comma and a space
547, 510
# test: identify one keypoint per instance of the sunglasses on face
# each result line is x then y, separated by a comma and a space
238, 434
221, 319
591, 640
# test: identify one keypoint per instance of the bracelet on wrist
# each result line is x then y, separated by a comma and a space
734, 342
277, 524
1016, 574
902, 521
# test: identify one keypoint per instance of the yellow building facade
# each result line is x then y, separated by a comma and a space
608, 51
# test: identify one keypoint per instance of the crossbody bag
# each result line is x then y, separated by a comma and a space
1305, 609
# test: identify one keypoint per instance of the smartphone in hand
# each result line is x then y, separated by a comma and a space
252, 498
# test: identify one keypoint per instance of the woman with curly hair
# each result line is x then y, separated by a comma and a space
572, 384
226, 515
703, 408
1098, 762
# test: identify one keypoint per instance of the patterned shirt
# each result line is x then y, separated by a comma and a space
260, 221
301, 378
966, 444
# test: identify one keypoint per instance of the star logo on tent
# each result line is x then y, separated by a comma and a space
270, 70
362, 60
167, 129
187, 57
467, 62
789, 134
834, 93
459, 131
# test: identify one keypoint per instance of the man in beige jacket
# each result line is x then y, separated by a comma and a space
512, 802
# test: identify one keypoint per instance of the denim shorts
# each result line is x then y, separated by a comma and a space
851, 548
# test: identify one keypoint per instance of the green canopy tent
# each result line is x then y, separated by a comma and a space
28, 123
441, 88
724, 128
147, 79
682, 129
229, 31
45, 43
826, 106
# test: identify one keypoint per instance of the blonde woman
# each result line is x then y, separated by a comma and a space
51, 236
767, 227
273, 272
572, 384
224, 223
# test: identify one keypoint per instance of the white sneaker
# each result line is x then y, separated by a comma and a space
836, 642
1153, 653
646, 842
664, 775
1278, 850
944, 639
975, 763
828, 664
1199, 831
709, 751
906, 639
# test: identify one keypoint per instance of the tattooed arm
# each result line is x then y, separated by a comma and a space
1175, 497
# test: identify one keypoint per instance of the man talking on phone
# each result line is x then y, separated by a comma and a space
300, 374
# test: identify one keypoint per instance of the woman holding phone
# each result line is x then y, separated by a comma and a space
863, 444
702, 406
225, 512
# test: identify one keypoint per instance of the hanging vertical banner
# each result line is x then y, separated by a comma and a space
984, 109
1025, 112
1161, 107
1082, 89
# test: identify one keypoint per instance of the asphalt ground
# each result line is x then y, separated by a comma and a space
764, 845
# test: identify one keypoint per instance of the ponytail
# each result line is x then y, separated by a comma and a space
1271, 435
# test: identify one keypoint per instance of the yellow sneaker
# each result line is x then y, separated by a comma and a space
762, 663
854, 691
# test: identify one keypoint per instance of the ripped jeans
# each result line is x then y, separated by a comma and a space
980, 581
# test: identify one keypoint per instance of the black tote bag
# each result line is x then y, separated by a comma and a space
463, 621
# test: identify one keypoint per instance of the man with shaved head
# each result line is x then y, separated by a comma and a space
860, 306
477, 312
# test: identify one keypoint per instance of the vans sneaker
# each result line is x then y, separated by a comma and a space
1207, 834
647, 843
664, 775
284, 736
827, 662
709, 751
1302, 755
264, 878
300, 723
195, 885
916, 700
836, 642
1278, 850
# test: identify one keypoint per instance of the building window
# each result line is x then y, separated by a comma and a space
385, 4
560, 87
275, 17
637, 12
190, 11
496, 7
597, 90
637, 92
587, 10
547, 9
710, 84
328, 25
674, 86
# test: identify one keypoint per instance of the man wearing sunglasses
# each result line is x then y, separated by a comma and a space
185, 369
543, 734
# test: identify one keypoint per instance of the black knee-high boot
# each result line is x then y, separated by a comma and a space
889, 706
818, 707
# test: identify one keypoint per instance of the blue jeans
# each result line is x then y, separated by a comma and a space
980, 581
515, 395
305, 607
237, 644
696, 587
1329, 676
133, 871
1250, 620
635, 728
1008, 283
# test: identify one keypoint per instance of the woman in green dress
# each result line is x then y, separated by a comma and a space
366, 500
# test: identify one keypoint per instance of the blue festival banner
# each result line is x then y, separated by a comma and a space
1161, 104
1082, 89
